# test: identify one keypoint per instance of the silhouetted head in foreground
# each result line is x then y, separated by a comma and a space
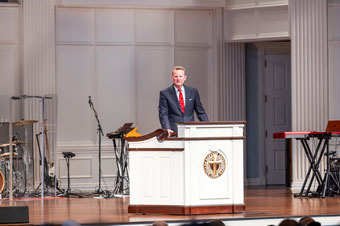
288, 222
308, 221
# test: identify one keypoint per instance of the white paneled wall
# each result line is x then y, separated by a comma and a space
152, 71
154, 27
114, 69
75, 82
9, 57
122, 58
309, 75
334, 58
75, 26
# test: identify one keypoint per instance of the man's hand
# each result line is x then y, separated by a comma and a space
170, 132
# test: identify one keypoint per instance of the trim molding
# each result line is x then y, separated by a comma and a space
155, 149
212, 123
204, 138
186, 210
137, 3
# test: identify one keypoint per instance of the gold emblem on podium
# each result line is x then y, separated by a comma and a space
214, 164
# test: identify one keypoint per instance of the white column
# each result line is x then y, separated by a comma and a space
309, 75
233, 104
38, 61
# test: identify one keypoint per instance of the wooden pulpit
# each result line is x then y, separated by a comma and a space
198, 172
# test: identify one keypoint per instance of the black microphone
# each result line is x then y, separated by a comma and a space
90, 102
16, 98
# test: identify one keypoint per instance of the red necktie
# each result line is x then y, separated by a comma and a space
181, 101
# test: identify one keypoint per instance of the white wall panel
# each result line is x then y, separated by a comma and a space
241, 24
239, 4
80, 167
115, 89
75, 83
9, 24
154, 26
195, 61
272, 22
115, 26
108, 165
9, 61
9, 73
153, 73
193, 27
333, 23
334, 58
334, 81
75, 25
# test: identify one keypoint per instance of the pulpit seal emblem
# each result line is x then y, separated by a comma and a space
214, 164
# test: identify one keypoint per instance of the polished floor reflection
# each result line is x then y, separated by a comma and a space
261, 202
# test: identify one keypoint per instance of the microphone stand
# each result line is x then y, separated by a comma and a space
100, 134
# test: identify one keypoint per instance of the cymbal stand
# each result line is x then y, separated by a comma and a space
99, 191
42, 171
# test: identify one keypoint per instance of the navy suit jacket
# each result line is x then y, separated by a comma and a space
170, 110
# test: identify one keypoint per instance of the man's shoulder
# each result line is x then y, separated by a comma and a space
189, 88
167, 89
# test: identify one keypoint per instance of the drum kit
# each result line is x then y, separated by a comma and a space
19, 171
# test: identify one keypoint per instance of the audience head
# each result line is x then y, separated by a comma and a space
159, 223
288, 222
308, 221
215, 223
70, 223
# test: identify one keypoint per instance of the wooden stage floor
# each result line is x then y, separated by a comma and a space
261, 202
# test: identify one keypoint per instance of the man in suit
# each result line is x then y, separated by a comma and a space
178, 102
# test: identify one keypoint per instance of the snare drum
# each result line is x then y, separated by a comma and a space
2, 182
4, 150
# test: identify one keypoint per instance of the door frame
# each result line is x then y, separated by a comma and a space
264, 48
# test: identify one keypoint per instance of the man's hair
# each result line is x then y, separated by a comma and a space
178, 68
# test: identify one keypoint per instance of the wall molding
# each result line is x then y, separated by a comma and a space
141, 4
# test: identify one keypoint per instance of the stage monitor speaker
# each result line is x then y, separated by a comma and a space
13, 214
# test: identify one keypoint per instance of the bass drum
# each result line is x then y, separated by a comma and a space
2, 182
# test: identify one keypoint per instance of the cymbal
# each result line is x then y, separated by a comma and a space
5, 145
24, 122
18, 142
6, 155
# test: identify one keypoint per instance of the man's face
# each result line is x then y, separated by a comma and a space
178, 77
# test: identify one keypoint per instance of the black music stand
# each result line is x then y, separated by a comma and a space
68, 193
121, 159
